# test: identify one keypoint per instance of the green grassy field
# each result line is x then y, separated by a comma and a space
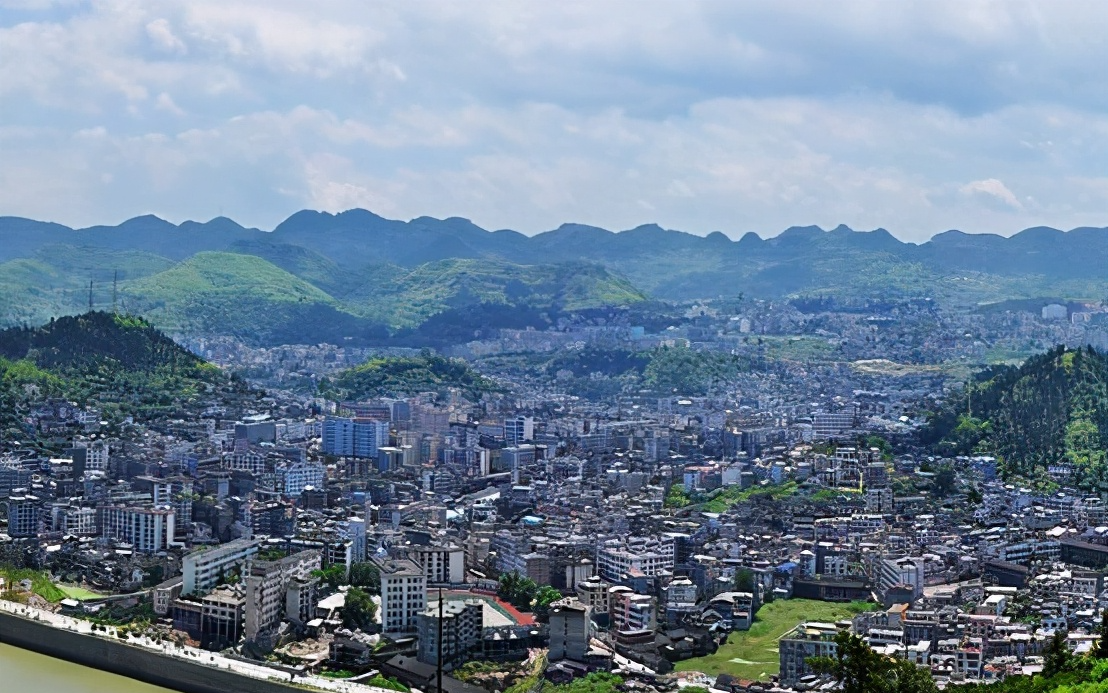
753, 654
40, 582
78, 593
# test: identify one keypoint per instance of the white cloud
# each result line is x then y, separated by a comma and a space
695, 115
162, 34
993, 188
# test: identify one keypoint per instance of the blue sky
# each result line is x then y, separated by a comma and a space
916, 117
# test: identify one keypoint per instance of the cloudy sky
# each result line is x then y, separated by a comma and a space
916, 117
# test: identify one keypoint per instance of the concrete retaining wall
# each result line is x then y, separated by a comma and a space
126, 660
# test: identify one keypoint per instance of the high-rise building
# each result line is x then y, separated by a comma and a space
403, 595
338, 436
369, 436
149, 529
519, 430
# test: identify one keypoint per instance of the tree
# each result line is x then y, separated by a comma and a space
858, 669
1057, 656
517, 590
544, 597
1101, 651
359, 611
332, 575
366, 574
744, 580
944, 481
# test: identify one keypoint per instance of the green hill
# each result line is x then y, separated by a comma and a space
398, 376
225, 293
1052, 409
123, 363
404, 297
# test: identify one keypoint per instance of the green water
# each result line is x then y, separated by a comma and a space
29, 672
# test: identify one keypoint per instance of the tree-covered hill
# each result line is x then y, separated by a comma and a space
120, 363
409, 375
1051, 410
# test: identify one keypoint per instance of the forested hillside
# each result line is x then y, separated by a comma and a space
1053, 409
122, 362
408, 375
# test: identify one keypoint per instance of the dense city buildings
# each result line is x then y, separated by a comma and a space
638, 531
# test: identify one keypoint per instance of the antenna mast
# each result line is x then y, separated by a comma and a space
115, 291
90, 295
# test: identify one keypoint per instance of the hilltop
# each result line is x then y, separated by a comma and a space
122, 362
1052, 410
408, 375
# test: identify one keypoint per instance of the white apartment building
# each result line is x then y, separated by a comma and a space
202, 569
297, 476
96, 454
267, 588
441, 564
149, 529
80, 522
614, 559
403, 595
631, 612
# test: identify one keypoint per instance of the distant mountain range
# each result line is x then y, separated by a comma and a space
359, 272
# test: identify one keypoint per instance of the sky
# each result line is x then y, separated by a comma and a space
916, 117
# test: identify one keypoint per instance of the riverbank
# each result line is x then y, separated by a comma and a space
184, 669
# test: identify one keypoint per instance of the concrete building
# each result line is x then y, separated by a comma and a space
338, 436
267, 587
293, 478
461, 631
204, 569
221, 613
519, 430
149, 530
631, 612
369, 436
403, 595
441, 564
23, 516
569, 630
807, 640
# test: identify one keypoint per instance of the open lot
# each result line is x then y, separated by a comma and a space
753, 654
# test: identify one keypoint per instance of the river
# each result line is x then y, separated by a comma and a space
23, 670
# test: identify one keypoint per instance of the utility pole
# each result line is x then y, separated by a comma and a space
90, 295
438, 672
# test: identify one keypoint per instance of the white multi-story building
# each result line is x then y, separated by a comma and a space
247, 461
267, 588
80, 522
519, 430
441, 564
23, 516
149, 529
297, 476
403, 595
631, 612
202, 569
615, 559
96, 454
